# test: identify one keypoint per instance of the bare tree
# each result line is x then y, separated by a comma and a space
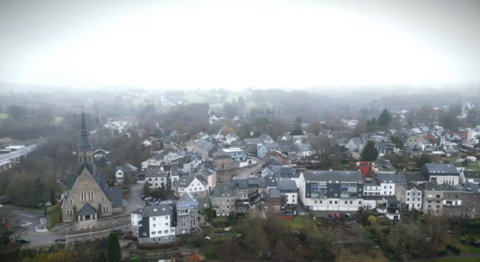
325, 151
8, 228
255, 237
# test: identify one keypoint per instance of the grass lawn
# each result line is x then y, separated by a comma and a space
15, 206
472, 249
53, 213
220, 219
296, 223
3, 116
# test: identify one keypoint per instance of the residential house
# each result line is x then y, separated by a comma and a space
251, 145
390, 206
415, 177
281, 157
283, 173
356, 145
304, 151
331, 190
432, 198
274, 199
158, 224
289, 189
387, 184
126, 170
471, 176
371, 187
223, 199
156, 177
154, 160
194, 185
414, 197
263, 149
469, 207
187, 214
223, 161
191, 162
382, 143
202, 147
287, 148
417, 142
210, 173
203, 204
441, 173
172, 157
230, 138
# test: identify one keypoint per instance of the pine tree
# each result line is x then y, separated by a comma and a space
37, 191
113, 248
369, 152
101, 256
146, 188
385, 118
424, 159
53, 200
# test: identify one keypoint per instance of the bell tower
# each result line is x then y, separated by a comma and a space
84, 148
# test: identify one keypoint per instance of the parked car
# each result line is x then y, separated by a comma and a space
23, 241
60, 239
336, 215
159, 200
147, 199
143, 197
302, 214
116, 230
347, 215
154, 199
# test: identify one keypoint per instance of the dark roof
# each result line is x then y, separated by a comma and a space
391, 199
353, 176
440, 169
429, 186
271, 146
86, 210
183, 181
287, 185
157, 210
469, 187
411, 185
155, 172
284, 171
115, 196
447, 187
84, 144
471, 174
245, 183
272, 161
185, 197
223, 190
270, 181
369, 181
92, 169
414, 177
71, 179
303, 147
274, 193
203, 202
391, 178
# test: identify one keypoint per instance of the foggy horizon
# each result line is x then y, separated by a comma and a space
239, 44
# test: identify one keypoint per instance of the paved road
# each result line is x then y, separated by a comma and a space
135, 199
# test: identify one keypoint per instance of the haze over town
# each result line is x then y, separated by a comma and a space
239, 131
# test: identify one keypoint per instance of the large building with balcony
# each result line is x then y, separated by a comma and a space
389, 206
331, 190
187, 214
155, 224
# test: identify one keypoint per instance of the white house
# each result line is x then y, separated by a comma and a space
157, 224
387, 184
289, 189
441, 173
355, 144
154, 160
156, 177
304, 150
371, 187
194, 185
414, 197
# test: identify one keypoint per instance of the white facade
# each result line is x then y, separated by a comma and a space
150, 162
333, 204
414, 199
195, 187
119, 174
452, 180
156, 182
292, 198
187, 167
387, 188
369, 204
160, 227
371, 189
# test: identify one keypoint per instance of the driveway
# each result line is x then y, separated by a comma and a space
134, 201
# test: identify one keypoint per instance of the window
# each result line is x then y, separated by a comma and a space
335, 202
159, 232
315, 201
345, 202
408, 194
165, 231
71, 201
330, 201
418, 205
438, 196
153, 233
149, 179
166, 224
321, 201
351, 202
390, 187
69, 212
429, 206
359, 202
83, 196
166, 217
408, 199
103, 199
384, 187
154, 218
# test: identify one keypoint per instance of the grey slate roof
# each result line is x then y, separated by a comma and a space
271, 146
272, 161
439, 169
352, 176
447, 187
429, 186
284, 171
158, 210
223, 190
370, 181
391, 199
203, 203
86, 210
303, 147
84, 144
115, 195
183, 181
287, 186
391, 178
411, 185
270, 181
245, 183
274, 193
414, 177
185, 197
155, 172
474, 188
203, 145
471, 174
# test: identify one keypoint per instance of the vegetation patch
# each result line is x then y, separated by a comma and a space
54, 215
3, 116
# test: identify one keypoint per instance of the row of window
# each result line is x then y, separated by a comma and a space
155, 218
156, 179
413, 199
413, 194
86, 196
346, 202
69, 212
160, 232
155, 225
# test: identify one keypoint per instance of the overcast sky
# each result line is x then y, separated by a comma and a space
239, 44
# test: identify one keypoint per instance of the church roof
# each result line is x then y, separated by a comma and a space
92, 169
86, 210
115, 195
84, 143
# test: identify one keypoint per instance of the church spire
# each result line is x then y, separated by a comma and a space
84, 143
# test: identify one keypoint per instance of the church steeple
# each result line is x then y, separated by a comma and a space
84, 149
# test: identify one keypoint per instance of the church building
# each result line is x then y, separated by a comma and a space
89, 197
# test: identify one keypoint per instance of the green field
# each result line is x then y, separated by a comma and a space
53, 215
472, 249
3, 116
